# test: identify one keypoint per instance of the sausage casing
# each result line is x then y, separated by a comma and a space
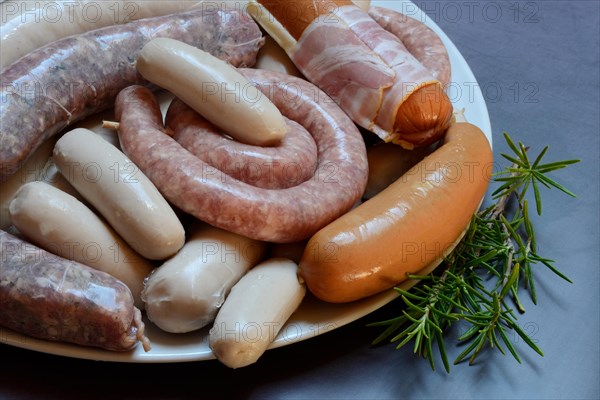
407, 226
285, 215
61, 224
120, 192
68, 80
48, 297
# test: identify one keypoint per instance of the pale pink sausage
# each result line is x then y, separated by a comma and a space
288, 164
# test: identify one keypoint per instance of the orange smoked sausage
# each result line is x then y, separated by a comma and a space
406, 227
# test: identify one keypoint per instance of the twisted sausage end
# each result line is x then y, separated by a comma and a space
423, 117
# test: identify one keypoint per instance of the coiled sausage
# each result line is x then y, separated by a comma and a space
285, 215
291, 162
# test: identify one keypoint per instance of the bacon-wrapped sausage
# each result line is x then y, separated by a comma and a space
367, 70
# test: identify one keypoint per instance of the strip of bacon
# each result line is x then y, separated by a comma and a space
331, 56
409, 72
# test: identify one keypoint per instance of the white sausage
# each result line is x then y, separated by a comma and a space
61, 224
120, 192
213, 88
255, 311
34, 169
185, 293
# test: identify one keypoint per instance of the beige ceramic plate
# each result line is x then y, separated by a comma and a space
314, 317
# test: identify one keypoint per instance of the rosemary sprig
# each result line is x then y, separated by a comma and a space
481, 280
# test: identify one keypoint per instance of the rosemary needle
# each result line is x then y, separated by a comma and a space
483, 277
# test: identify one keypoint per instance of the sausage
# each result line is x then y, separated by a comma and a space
48, 297
272, 57
388, 162
291, 162
367, 70
285, 215
28, 25
185, 293
33, 169
120, 192
214, 89
420, 40
255, 311
65, 81
62, 225
407, 226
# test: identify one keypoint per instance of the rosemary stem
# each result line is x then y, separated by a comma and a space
500, 243
511, 252
500, 205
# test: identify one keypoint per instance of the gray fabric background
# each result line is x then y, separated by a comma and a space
538, 65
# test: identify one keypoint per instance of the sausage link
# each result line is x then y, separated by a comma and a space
61, 224
284, 215
48, 297
262, 302
185, 293
410, 225
116, 189
25, 27
65, 81
363, 67
214, 89
291, 162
